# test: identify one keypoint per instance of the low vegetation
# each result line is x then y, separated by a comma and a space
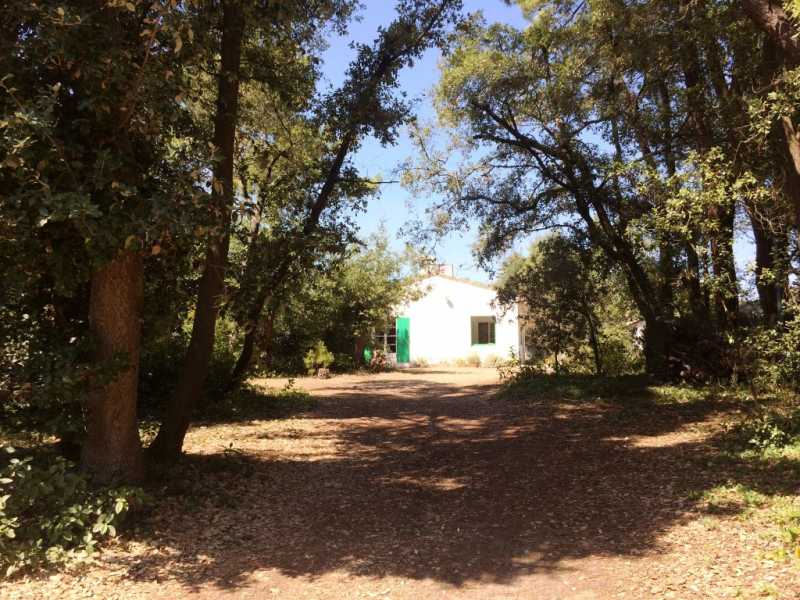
50, 514
755, 443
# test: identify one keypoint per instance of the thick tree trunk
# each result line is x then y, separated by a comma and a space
657, 340
782, 31
667, 273
112, 452
769, 16
791, 180
169, 441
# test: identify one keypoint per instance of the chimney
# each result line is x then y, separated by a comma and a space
446, 270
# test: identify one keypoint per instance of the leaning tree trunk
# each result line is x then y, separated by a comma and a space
245, 360
112, 452
169, 441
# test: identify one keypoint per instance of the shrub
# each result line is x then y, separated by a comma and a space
619, 355
492, 361
343, 363
49, 515
769, 430
473, 360
380, 362
318, 357
421, 363
254, 402
514, 369
774, 355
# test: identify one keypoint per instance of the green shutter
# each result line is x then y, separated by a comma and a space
403, 325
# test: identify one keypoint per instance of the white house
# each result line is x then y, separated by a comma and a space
452, 319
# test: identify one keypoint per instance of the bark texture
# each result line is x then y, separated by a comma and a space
169, 441
770, 17
112, 452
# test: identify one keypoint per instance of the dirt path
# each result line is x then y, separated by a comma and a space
417, 485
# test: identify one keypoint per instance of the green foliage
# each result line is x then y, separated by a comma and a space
515, 370
772, 355
253, 402
50, 515
318, 357
767, 430
342, 300
343, 363
493, 361
524, 382
574, 308
614, 122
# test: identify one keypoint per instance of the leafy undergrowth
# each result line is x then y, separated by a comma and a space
51, 516
253, 403
758, 441
767, 439
624, 389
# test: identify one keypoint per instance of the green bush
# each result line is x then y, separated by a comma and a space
49, 515
774, 355
254, 402
769, 430
619, 355
317, 357
343, 363
515, 370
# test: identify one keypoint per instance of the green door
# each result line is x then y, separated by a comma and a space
403, 325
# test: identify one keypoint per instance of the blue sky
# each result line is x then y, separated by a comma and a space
395, 206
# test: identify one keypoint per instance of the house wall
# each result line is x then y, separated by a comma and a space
441, 321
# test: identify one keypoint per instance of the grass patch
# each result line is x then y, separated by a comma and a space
621, 390
757, 453
255, 403
730, 498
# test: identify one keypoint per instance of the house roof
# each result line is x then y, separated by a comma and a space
479, 284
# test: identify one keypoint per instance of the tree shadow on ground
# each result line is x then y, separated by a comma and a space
436, 481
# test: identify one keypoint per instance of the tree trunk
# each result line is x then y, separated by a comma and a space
697, 301
112, 452
595, 343
169, 441
772, 19
769, 16
791, 179
726, 294
657, 337
766, 279
245, 359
